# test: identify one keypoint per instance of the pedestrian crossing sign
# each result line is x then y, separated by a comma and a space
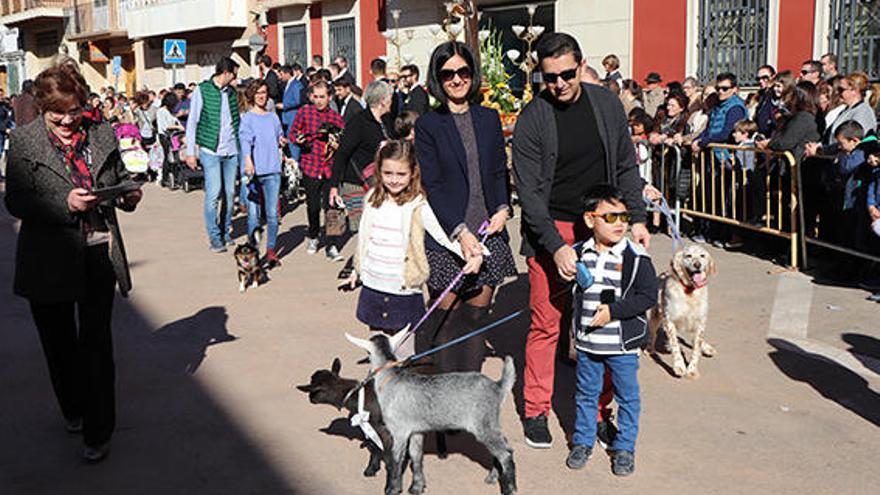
174, 52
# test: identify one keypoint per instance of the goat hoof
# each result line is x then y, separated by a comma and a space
693, 374
492, 477
417, 489
371, 471
709, 351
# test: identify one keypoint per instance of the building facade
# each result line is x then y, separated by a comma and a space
676, 38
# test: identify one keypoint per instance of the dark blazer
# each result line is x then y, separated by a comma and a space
535, 149
50, 262
274, 87
357, 147
351, 110
444, 165
417, 100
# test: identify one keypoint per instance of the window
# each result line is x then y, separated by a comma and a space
501, 19
295, 47
343, 43
733, 38
855, 36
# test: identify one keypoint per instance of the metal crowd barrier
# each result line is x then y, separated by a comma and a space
761, 200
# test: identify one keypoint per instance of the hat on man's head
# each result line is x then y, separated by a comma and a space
653, 77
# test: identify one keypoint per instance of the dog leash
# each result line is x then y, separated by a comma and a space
677, 242
484, 232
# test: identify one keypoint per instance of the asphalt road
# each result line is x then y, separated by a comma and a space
206, 402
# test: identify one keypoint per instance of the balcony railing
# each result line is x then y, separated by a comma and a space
9, 7
96, 17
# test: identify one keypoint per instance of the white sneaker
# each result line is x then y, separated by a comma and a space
333, 254
313, 246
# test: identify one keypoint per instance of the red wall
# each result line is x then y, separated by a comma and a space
796, 23
272, 35
372, 41
316, 32
659, 39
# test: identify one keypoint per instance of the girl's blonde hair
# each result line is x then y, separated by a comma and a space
403, 151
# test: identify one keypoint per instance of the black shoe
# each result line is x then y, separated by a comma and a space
606, 432
578, 457
97, 454
623, 463
536, 432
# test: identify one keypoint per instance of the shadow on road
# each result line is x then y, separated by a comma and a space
864, 348
172, 436
832, 380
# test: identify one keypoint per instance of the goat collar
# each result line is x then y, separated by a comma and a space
361, 419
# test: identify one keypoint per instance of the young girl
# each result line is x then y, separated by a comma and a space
390, 259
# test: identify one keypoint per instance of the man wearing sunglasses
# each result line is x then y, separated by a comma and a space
724, 116
811, 71
571, 137
764, 113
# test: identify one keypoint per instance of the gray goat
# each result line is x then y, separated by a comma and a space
413, 404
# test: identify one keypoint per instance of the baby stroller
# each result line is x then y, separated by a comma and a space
135, 158
175, 173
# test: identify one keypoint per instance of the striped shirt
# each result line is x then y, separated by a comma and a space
606, 268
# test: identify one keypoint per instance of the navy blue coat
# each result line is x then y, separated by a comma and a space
443, 163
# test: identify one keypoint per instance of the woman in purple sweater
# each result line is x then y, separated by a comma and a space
261, 135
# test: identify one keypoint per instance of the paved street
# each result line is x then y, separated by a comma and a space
206, 403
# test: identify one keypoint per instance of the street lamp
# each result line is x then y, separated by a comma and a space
395, 39
528, 34
453, 23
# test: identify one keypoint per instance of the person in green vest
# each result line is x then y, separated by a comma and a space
213, 126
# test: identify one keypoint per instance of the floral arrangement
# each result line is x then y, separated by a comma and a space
496, 90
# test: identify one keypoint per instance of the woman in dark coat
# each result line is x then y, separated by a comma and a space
464, 170
70, 255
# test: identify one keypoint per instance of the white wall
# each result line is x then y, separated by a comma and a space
185, 15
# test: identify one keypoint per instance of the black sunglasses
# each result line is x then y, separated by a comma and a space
764, 78
567, 75
447, 75
805, 72
724, 88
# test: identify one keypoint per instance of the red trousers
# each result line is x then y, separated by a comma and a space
549, 302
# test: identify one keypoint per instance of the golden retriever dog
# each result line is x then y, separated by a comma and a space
683, 306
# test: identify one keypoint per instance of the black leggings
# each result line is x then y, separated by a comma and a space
78, 346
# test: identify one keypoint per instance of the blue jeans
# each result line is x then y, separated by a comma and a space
270, 185
219, 174
624, 375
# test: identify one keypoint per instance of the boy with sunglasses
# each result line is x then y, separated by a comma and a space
616, 285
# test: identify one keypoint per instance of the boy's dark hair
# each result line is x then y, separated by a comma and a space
226, 64
600, 193
850, 130
558, 44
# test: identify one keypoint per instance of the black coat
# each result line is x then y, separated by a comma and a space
273, 86
357, 148
416, 101
50, 260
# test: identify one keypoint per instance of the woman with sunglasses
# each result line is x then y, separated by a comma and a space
70, 254
460, 149
852, 91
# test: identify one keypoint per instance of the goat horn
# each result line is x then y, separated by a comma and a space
363, 344
397, 339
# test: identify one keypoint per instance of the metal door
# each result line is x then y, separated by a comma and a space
733, 38
342, 43
855, 36
295, 46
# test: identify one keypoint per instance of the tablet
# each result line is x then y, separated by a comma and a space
112, 192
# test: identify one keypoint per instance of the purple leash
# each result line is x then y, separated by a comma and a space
484, 232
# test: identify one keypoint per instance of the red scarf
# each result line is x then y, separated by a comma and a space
75, 159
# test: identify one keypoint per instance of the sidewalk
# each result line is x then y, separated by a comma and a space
206, 402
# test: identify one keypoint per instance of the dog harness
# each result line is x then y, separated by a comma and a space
362, 420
